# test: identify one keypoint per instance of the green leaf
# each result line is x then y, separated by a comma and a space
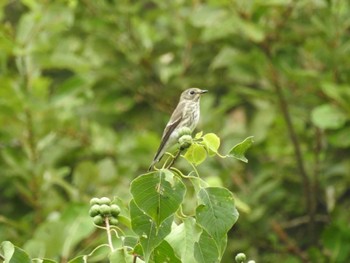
120, 255
336, 238
212, 143
79, 259
217, 212
183, 237
13, 254
196, 154
224, 58
340, 138
198, 135
60, 235
339, 93
150, 235
328, 116
205, 251
251, 30
159, 194
206, 16
25, 28
123, 217
44, 260
165, 253
239, 149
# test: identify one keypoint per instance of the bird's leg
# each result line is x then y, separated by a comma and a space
175, 157
169, 156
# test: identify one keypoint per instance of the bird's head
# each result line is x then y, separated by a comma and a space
192, 94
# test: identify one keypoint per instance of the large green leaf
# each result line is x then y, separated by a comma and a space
150, 234
159, 194
120, 255
183, 237
216, 213
165, 253
205, 250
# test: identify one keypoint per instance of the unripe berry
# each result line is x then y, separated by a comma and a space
105, 201
94, 210
240, 258
98, 220
94, 201
115, 210
113, 221
185, 141
105, 210
184, 131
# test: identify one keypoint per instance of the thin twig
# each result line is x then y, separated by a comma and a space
296, 222
291, 244
297, 150
274, 78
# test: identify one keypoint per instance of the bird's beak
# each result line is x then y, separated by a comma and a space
203, 91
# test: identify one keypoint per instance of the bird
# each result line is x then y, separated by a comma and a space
186, 114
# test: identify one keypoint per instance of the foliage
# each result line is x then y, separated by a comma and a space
151, 224
87, 86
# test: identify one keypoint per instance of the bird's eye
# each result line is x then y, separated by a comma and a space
191, 92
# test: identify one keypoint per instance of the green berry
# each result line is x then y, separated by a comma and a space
105, 201
184, 131
94, 201
105, 210
113, 221
94, 210
98, 220
240, 258
115, 210
185, 141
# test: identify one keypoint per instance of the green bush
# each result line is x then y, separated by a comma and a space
87, 86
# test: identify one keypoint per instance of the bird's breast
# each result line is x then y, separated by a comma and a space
191, 116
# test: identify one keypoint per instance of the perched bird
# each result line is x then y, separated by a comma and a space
186, 114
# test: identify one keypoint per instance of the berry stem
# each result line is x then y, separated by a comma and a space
109, 236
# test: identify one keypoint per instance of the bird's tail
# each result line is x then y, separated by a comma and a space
151, 166
155, 160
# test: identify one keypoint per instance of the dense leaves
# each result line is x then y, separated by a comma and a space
87, 87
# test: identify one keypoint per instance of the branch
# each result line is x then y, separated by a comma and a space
308, 193
291, 245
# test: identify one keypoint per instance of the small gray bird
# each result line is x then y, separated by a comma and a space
186, 114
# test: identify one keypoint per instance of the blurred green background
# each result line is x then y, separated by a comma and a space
87, 87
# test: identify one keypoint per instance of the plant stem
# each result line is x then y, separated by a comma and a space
109, 235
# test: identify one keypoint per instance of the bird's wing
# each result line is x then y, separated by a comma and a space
175, 119
166, 134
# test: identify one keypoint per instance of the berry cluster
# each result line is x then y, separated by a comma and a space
102, 208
